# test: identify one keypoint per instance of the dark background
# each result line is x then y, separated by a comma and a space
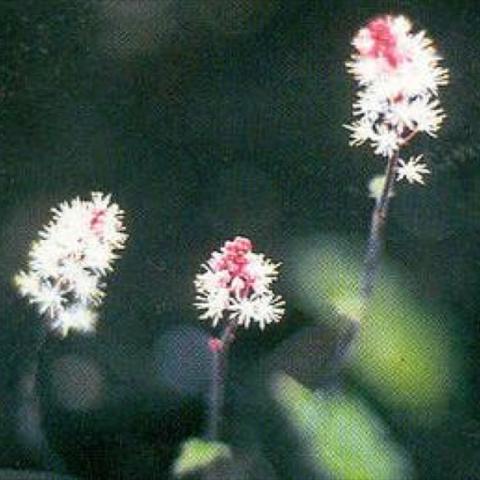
206, 120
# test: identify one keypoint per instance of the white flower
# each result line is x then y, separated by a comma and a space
86, 288
67, 263
401, 115
362, 130
262, 309
385, 141
49, 299
427, 115
413, 170
77, 317
370, 104
262, 270
235, 285
214, 302
398, 75
28, 284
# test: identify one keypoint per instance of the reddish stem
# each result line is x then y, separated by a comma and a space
219, 348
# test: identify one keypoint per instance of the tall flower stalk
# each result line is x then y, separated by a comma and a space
398, 76
66, 270
234, 288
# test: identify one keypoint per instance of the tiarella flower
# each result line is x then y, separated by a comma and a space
76, 317
66, 266
384, 141
263, 309
398, 74
235, 285
428, 115
362, 130
413, 170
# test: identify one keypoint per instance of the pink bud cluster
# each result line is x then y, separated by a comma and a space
379, 40
236, 283
235, 268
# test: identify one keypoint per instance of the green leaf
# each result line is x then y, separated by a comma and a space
197, 454
404, 352
340, 435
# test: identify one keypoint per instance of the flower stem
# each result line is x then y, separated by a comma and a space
219, 348
377, 227
28, 410
217, 387
372, 257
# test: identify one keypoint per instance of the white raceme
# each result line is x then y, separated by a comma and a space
235, 285
67, 264
399, 75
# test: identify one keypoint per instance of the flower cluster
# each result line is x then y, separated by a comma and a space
66, 266
398, 74
236, 283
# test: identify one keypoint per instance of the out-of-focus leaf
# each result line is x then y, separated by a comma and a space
340, 434
404, 354
197, 454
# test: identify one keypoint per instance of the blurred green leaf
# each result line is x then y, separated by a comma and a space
197, 454
403, 353
340, 434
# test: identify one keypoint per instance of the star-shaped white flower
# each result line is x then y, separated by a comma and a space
413, 170
385, 141
263, 309
361, 131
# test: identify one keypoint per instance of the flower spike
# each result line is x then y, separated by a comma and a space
67, 264
399, 75
235, 283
